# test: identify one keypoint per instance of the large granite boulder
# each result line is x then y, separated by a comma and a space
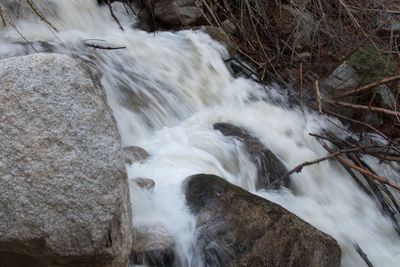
270, 169
64, 197
237, 228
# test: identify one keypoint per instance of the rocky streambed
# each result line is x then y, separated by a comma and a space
65, 193
131, 148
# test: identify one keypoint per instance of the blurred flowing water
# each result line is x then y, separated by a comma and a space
167, 90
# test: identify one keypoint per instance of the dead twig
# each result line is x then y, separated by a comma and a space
9, 21
363, 107
318, 96
96, 46
358, 122
113, 15
362, 170
332, 154
363, 255
37, 12
301, 78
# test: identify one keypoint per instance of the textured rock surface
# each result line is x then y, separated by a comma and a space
344, 77
236, 228
270, 168
63, 186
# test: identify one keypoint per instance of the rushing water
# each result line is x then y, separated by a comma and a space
167, 90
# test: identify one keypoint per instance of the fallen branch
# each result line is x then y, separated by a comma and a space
358, 122
363, 255
368, 86
379, 189
332, 154
363, 107
363, 171
95, 46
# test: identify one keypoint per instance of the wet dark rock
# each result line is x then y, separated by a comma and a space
134, 154
221, 36
145, 20
152, 246
237, 228
270, 168
175, 13
63, 184
147, 184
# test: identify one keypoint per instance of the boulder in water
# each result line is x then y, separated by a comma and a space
270, 168
237, 228
63, 184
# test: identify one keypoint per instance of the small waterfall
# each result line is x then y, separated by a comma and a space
167, 90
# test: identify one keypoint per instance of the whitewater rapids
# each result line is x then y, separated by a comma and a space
167, 90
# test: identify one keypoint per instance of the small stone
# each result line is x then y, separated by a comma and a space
342, 78
228, 26
144, 183
134, 154
386, 97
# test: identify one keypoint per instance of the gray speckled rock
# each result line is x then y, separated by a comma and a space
63, 187
344, 77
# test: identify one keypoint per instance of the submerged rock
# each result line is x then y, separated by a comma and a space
270, 168
144, 183
63, 185
237, 228
134, 154
152, 246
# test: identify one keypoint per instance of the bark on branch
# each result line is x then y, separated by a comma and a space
368, 86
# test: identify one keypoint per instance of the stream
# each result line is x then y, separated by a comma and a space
167, 89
